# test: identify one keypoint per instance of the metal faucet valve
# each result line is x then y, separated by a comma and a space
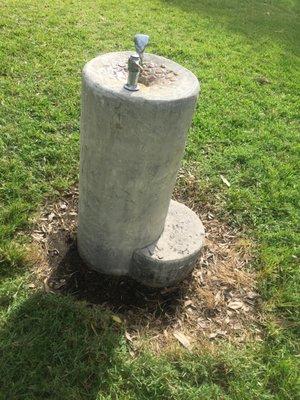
134, 69
135, 62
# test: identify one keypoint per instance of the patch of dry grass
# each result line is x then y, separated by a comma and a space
218, 301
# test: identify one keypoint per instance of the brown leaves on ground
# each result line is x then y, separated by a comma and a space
218, 301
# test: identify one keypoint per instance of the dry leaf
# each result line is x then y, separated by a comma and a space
51, 216
182, 339
47, 288
117, 319
30, 286
202, 324
37, 236
188, 303
217, 334
218, 297
93, 328
63, 206
262, 80
252, 295
235, 305
224, 180
128, 337
132, 353
213, 335
59, 285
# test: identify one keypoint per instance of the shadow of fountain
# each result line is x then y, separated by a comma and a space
122, 295
53, 347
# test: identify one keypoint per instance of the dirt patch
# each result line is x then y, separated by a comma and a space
218, 301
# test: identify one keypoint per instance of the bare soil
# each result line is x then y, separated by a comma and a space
218, 301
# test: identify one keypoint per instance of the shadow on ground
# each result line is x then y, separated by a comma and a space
255, 18
53, 347
122, 295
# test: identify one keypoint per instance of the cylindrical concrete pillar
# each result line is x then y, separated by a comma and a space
131, 147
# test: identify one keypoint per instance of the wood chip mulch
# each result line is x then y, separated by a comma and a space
219, 301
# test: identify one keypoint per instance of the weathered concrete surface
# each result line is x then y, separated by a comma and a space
169, 259
131, 147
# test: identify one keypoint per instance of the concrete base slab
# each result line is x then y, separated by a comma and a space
172, 257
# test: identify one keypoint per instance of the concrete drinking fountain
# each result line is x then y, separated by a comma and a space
136, 110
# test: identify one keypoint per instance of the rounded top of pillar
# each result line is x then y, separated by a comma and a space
162, 80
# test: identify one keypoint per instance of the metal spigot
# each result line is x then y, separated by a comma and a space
134, 69
135, 62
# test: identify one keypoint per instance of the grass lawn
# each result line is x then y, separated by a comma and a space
245, 53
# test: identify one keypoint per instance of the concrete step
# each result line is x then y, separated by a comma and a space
172, 257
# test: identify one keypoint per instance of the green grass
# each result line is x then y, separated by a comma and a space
242, 129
